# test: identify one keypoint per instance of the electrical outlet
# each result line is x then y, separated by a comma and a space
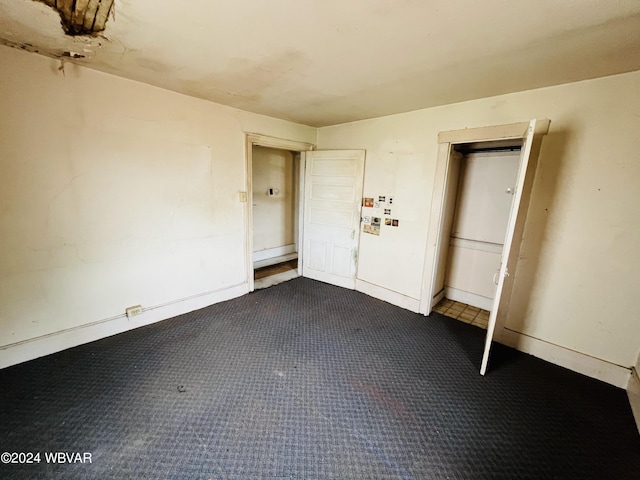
133, 311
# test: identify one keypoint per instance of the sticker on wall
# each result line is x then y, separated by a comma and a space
387, 221
367, 202
376, 204
395, 222
387, 211
390, 200
366, 220
381, 198
374, 227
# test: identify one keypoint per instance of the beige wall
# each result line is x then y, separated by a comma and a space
114, 193
577, 284
272, 215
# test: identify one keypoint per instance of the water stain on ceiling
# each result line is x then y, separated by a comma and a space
330, 62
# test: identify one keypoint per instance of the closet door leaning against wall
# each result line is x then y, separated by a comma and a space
485, 194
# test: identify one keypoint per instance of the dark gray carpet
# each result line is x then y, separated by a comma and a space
309, 381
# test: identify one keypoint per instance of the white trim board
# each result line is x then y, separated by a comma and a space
261, 140
274, 261
476, 245
55, 342
269, 253
493, 133
633, 392
389, 296
469, 298
607, 372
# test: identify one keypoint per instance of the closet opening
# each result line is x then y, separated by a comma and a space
465, 182
483, 189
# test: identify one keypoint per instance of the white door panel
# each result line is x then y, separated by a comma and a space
516, 221
333, 192
483, 206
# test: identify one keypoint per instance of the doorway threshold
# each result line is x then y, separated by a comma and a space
275, 279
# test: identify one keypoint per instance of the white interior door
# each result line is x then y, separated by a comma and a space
517, 215
332, 204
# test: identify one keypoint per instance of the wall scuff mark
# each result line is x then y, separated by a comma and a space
82, 17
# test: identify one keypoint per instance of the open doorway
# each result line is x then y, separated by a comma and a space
275, 200
327, 198
274, 196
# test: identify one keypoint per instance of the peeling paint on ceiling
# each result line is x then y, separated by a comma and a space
327, 62
82, 17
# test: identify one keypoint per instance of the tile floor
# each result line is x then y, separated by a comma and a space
463, 312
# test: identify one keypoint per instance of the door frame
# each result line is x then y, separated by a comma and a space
259, 140
444, 194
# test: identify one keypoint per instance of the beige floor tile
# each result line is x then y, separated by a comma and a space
456, 308
466, 317
480, 323
463, 312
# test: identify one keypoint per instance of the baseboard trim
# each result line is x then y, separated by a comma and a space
469, 298
607, 372
268, 253
387, 295
267, 262
55, 342
633, 392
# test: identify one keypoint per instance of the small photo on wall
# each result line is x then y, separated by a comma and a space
387, 221
395, 222
367, 202
373, 228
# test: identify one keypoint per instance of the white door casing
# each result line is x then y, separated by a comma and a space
332, 207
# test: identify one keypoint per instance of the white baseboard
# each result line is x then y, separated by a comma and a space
578, 362
273, 252
387, 295
633, 392
274, 260
55, 342
469, 298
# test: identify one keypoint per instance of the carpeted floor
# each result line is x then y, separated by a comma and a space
310, 381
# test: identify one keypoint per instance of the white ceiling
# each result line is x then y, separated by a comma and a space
323, 62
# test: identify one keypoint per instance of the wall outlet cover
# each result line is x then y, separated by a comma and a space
133, 311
